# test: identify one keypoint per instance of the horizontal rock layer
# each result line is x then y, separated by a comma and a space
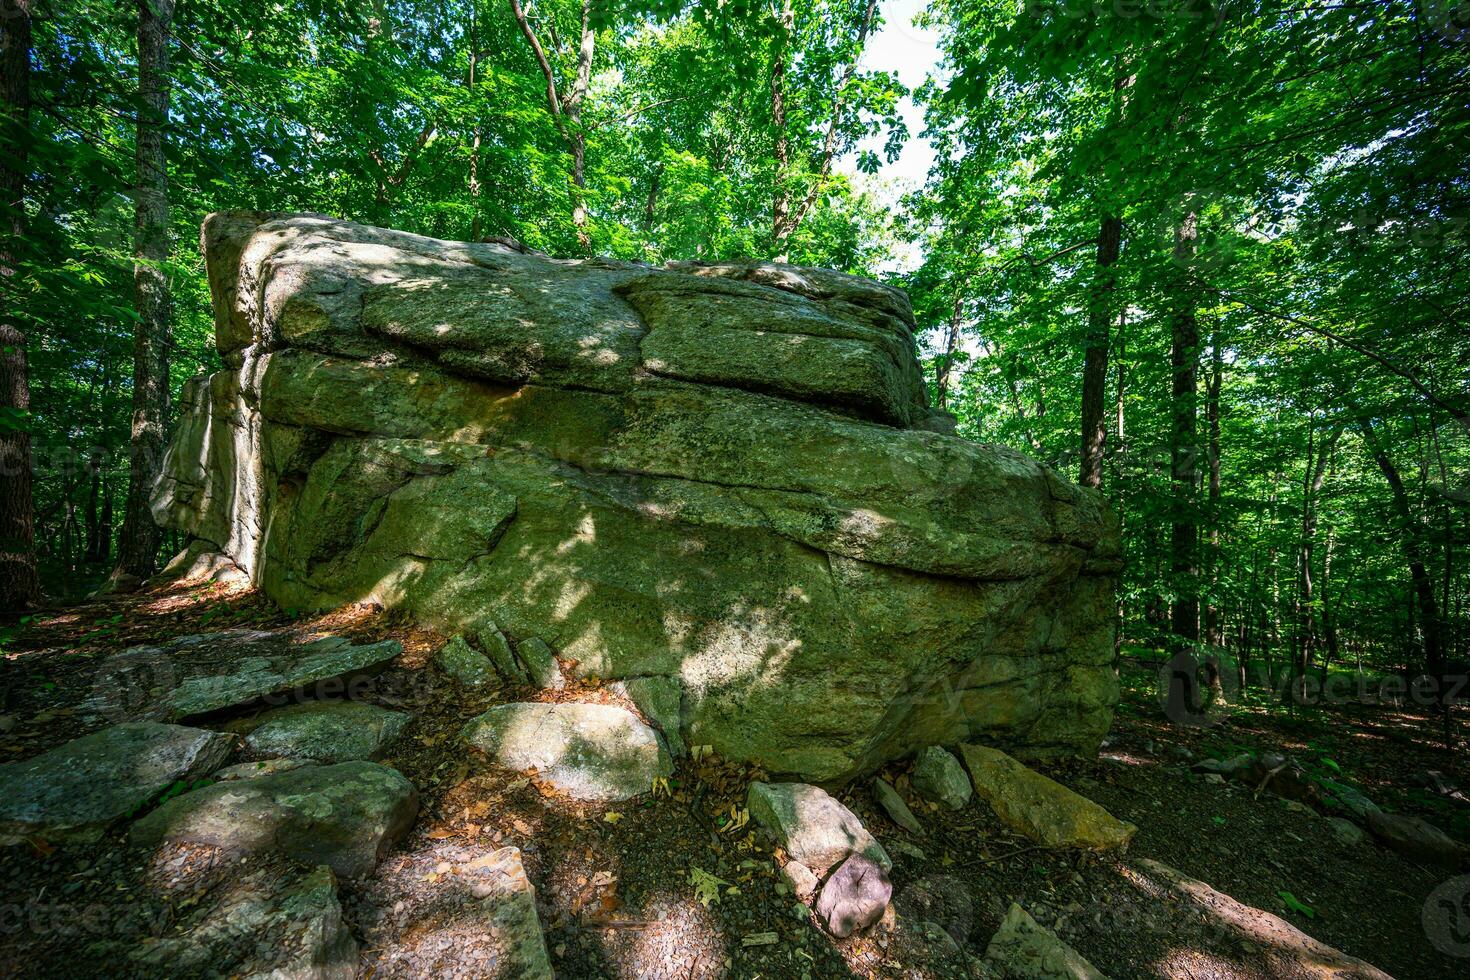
721, 475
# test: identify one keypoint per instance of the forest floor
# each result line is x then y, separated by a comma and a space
614, 881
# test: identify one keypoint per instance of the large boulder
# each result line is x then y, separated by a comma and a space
724, 475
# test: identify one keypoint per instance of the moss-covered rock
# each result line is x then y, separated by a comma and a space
724, 475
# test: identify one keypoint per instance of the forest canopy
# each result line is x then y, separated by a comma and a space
1209, 257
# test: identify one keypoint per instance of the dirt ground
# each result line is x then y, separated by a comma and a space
616, 883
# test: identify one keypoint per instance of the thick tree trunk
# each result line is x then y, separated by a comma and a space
19, 586
1095, 359
1184, 360
138, 548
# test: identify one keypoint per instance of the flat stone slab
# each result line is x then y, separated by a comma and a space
588, 751
345, 816
477, 917
208, 672
1412, 837
811, 826
324, 731
1023, 950
261, 924
1040, 808
76, 791
1289, 951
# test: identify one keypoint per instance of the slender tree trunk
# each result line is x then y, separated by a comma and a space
94, 495
945, 362
574, 126
475, 136
780, 148
152, 335
1213, 634
1412, 534
1184, 359
19, 586
1095, 358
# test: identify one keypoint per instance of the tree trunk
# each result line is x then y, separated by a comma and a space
945, 362
138, 548
474, 183
1213, 632
780, 148
19, 586
1184, 360
1412, 534
1095, 359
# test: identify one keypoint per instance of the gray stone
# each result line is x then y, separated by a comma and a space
260, 767
498, 649
324, 731
1416, 838
1348, 798
76, 791
659, 699
811, 826
938, 776
508, 901
540, 664
464, 663
193, 676
1023, 950
220, 937
346, 816
721, 474
1226, 768
802, 880
588, 751
898, 811
855, 896
1345, 832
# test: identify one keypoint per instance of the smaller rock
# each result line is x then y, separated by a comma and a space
1348, 798
497, 648
660, 699
1023, 950
76, 791
1224, 767
938, 776
508, 902
540, 664
588, 751
262, 767
811, 826
1214, 779
1345, 832
299, 912
855, 896
465, 664
803, 882
1416, 838
325, 731
345, 816
898, 811
1292, 806
1040, 808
